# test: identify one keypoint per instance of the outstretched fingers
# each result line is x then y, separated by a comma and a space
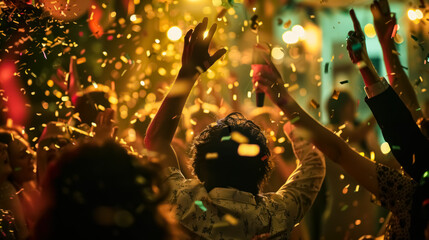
211, 33
356, 24
188, 36
384, 6
216, 56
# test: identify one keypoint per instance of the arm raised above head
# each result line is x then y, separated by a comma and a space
195, 60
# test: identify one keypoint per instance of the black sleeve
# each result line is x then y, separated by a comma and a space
409, 146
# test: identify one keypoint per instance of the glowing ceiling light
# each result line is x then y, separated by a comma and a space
419, 14
174, 33
290, 37
412, 15
299, 30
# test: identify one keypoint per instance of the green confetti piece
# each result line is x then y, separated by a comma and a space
225, 138
344, 208
295, 119
396, 147
200, 205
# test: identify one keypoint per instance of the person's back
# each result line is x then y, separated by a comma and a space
231, 161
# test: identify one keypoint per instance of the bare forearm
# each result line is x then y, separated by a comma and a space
399, 80
324, 139
333, 146
162, 128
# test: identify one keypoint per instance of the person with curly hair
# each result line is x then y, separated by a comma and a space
231, 160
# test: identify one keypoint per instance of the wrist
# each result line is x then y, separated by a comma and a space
388, 46
188, 72
283, 101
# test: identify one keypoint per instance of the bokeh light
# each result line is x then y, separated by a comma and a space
277, 53
385, 148
370, 30
290, 37
419, 14
174, 33
299, 30
412, 15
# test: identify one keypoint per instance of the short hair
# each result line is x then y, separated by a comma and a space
336, 106
216, 160
102, 192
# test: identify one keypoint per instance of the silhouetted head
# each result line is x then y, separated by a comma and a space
342, 109
232, 152
54, 137
102, 192
21, 158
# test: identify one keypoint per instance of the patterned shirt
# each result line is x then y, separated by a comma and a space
396, 194
227, 213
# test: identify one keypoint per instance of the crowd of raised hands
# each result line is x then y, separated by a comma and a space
89, 185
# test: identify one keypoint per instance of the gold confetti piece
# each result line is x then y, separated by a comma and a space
314, 104
214, 155
239, 138
293, 67
293, 87
287, 24
80, 60
248, 150
230, 219
335, 95
357, 188
124, 59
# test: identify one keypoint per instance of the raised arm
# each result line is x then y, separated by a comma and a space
325, 140
195, 60
304, 183
399, 129
385, 25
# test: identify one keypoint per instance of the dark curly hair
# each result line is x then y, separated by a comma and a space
216, 160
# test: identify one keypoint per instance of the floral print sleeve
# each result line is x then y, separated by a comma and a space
302, 186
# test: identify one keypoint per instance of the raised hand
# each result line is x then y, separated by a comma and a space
105, 125
356, 41
196, 57
384, 21
270, 81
